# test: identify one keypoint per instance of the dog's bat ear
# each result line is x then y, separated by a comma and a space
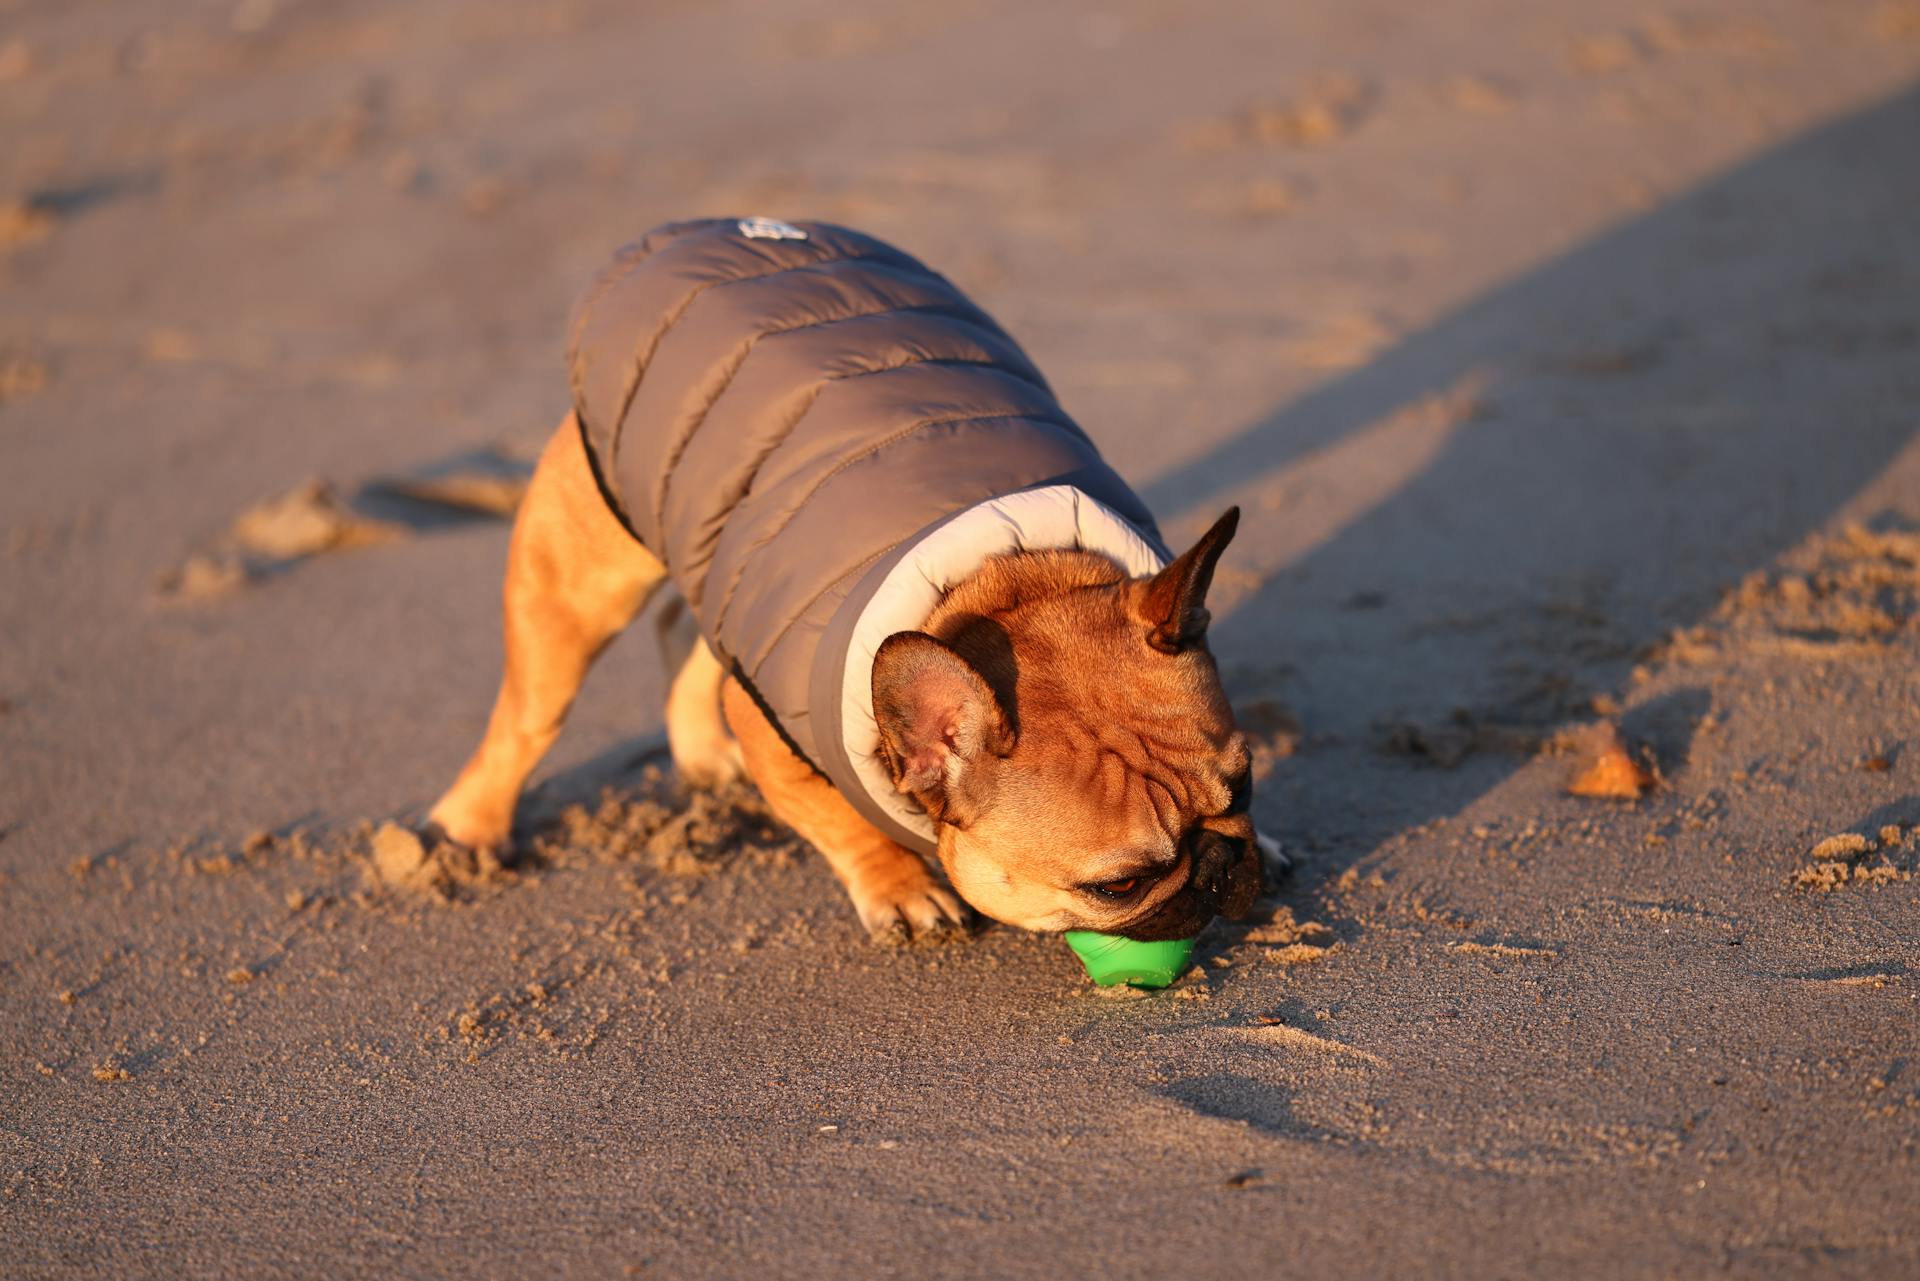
937, 715
1173, 602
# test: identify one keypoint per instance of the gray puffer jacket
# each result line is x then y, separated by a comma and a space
782, 413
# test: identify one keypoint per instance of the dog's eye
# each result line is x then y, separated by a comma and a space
1119, 889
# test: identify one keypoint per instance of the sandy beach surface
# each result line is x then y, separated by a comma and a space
1564, 358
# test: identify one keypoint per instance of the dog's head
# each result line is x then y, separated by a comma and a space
1065, 728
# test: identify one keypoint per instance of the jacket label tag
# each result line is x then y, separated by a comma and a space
770, 229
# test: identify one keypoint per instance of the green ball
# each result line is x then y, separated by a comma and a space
1111, 959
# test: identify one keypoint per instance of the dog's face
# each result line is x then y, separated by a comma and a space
1068, 734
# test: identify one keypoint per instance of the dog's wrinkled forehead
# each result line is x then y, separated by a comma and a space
1155, 722
1125, 768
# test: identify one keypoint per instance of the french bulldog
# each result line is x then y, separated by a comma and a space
1052, 726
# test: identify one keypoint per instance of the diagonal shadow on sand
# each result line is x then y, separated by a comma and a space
1663, 409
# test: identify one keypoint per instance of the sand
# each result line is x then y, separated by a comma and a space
272, 535
312, 519
306, 521
1560, 357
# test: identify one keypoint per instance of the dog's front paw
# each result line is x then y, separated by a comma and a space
486, 831
908, 905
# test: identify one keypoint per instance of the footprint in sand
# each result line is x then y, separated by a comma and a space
311, 519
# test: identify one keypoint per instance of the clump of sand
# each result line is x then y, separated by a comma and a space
1273, 1029
1844, 848
709, 830
1842, 860
1852, 592
404, 859
1502, 951
1861, 585
204, 577
305, 521
23, 221
311, 519
650, 822
1286, 941
1606, 767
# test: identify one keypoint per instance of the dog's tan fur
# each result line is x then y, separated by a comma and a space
1124, 745
1120, 747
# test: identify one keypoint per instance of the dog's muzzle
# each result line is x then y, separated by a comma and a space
1224, 881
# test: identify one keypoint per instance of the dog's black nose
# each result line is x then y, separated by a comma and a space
1213, 859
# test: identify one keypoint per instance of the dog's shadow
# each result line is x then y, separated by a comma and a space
635, 766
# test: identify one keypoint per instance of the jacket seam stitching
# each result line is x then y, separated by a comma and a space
861, 568
641, 359
965, 312
685, 442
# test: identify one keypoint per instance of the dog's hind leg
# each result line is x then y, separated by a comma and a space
705, 752
575, 579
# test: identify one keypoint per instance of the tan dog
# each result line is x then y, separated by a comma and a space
1057, 724
1063, 724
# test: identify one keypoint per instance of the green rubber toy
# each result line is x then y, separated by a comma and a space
1111, 959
